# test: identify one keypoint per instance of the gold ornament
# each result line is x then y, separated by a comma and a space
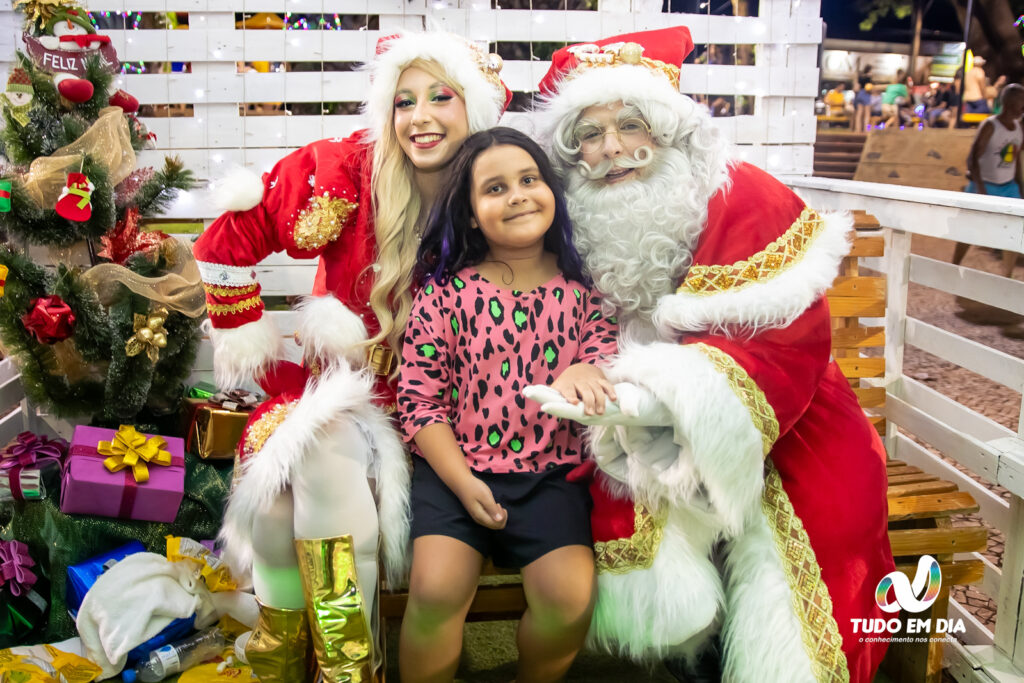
149, 335
39, 12
631, 53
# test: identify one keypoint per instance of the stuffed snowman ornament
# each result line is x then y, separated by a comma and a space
18, 96
60, 44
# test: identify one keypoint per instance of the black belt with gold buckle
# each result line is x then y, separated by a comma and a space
381, 359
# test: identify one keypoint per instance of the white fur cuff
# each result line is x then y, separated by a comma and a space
717, 451
769, 304
244, 352
329, 330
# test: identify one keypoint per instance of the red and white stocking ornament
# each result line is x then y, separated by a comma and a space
75, 201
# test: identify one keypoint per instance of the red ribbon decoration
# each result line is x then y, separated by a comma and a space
14, 564
30, 449
49, 319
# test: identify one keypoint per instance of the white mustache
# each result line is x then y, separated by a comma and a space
643, 156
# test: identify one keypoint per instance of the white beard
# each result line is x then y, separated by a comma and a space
637, 237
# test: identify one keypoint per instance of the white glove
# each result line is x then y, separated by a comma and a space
635, 407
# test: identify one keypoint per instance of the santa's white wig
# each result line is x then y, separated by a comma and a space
637, 237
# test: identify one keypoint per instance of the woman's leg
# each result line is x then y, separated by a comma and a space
275, 569
336, 534
560, 593
445, 572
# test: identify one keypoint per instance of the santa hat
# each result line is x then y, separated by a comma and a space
474, 71
631, 66
19, 81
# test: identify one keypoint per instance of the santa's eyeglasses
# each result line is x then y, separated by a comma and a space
589, 137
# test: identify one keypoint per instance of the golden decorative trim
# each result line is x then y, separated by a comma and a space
761, 412
260, 430
619, 54
237, 307
777, 257
213, 290
811, 601
624, 555
381, 359
321, 221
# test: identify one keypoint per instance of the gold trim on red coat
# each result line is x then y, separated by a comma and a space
811, 601
623, 555
777, 257
742, 384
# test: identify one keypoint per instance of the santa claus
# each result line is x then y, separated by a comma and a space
740, 491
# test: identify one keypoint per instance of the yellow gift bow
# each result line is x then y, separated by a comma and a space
132, 449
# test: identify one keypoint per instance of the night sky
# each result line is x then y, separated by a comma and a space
940, 23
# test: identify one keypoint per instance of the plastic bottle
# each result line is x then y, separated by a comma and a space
176, 657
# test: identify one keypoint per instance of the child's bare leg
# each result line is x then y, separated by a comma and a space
560, 591
445, 572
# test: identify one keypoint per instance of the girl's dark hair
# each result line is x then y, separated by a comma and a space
450, 244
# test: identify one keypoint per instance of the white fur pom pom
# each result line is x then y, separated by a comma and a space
240, 190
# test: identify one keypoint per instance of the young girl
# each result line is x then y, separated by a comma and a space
503, 306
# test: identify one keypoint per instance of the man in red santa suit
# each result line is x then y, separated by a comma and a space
740, 490
324, 474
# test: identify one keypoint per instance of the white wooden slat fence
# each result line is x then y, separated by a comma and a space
989, 450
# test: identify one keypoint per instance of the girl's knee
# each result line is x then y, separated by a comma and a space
434, 601
563, 605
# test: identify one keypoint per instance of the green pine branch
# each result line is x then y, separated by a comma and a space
156, 195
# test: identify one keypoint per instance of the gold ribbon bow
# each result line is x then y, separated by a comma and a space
132, 449
150, 335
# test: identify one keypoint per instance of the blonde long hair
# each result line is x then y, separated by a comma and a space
396, 209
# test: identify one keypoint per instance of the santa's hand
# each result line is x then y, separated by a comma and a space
635, 407
643, 407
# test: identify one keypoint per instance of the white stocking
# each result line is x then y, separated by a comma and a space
332, 497
275, 569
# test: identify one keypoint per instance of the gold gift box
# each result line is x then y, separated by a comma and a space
216, 432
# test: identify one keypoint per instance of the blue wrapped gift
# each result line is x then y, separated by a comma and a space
82, 576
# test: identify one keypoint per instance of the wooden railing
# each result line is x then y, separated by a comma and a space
917, 413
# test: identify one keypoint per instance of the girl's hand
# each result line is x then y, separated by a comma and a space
585, 382
479, 502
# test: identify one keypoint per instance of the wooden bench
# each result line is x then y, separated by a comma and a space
920, 505
827, 120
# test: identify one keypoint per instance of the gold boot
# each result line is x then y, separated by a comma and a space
338, 614
277, 648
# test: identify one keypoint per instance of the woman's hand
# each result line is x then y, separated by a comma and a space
477, 498
586, 383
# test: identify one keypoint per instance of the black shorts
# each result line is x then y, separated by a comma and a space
545, 512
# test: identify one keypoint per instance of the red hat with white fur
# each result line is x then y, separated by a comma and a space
644, 64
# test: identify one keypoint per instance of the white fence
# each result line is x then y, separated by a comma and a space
783, 80
988, 449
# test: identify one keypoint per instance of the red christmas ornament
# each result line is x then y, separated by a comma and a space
75, 201
125, 239
49, 319
128, 103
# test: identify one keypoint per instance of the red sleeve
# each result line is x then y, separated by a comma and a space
425, 382
786, 364
308, 198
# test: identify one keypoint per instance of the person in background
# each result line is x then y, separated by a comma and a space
975, 88
896, 95
862, 100
994, 161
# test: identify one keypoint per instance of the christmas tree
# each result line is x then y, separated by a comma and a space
101, 317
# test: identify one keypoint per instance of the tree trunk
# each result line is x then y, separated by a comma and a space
993, 36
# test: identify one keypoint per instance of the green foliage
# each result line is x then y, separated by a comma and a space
878, 9
88, 374
156, 195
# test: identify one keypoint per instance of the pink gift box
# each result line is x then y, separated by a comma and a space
89, 488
